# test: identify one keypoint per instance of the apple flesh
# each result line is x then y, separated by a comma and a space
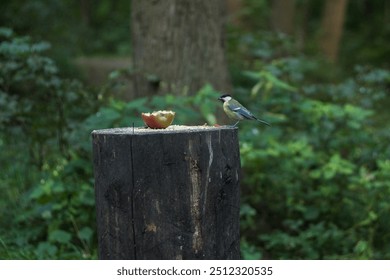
158, 119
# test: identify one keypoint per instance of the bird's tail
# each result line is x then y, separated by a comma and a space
264, 122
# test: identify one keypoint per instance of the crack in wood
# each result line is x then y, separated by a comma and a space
195, 178
132, 193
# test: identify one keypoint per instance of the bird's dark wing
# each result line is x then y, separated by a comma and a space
238, 108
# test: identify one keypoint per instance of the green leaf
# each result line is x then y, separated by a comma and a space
249, 252
85, 233
6, 32
252, 74
45, 250
267, 78
60, 236
277, 82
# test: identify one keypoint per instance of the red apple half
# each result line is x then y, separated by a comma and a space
158, 119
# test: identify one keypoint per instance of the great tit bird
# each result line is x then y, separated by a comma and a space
236, 111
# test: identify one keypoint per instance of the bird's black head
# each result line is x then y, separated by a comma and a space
225, 97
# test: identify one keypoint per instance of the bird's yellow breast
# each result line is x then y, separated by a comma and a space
231, 114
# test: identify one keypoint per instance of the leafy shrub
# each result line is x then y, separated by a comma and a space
45, 182
316, 184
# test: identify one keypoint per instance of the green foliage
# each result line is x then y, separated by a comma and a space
75, 26
45, 183
316, 184
34, 99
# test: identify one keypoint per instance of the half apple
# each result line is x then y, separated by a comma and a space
158, 119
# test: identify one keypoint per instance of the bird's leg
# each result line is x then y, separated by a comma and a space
236, 124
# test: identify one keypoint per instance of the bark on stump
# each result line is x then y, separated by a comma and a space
167, 194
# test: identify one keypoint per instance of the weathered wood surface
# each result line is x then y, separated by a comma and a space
167, 194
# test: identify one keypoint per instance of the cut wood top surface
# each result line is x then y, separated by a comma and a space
170, 129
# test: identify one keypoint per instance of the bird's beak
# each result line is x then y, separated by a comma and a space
219, 98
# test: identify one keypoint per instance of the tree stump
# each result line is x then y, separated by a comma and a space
167, 194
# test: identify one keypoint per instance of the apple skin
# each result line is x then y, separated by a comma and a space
158, 119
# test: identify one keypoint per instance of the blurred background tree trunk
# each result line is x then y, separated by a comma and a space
282, 17
178, 46
332, 28
234, 8
302, 16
